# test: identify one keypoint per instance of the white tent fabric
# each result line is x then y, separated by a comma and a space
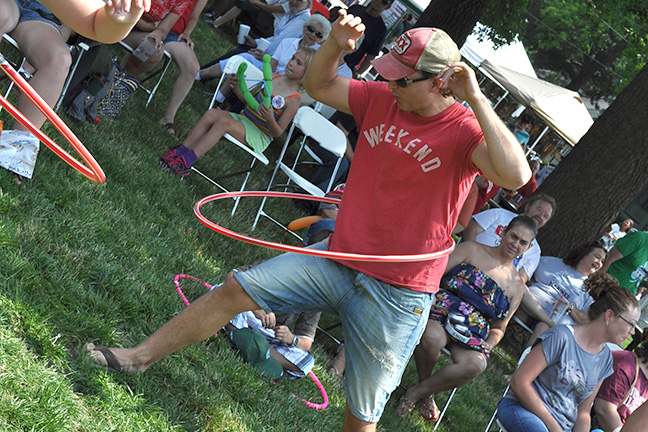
562, 109
512, 56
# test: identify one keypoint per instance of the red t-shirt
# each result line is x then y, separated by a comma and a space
615, 388
409, 178
180, 25
161, 8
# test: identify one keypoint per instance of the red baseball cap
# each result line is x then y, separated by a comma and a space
423, 49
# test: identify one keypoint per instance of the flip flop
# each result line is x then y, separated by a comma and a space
112, 364
404, 406
428, 404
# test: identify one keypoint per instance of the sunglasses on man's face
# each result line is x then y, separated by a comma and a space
312, 29
404, 82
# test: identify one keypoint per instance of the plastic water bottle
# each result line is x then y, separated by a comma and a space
144, 50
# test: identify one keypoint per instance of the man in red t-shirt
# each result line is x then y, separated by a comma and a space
415, 161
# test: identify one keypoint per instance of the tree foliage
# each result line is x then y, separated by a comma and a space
602, 174
593, 46
457, 18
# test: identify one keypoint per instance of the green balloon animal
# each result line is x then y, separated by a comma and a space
267, 78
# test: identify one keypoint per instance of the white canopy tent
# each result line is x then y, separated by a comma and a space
561, 109
512, 56
509, 66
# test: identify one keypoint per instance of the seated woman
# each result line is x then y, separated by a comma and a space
315, 30
254, 128
558, 285
554, 387
478, 296
624, 391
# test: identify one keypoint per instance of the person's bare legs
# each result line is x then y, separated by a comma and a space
9, 16
210, 129
537, 331
132, 66
197, 322
52, 62
185, 58
212, 72
354, 424
467, 364
428, 351
230, 15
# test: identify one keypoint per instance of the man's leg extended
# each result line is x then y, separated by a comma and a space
200, 320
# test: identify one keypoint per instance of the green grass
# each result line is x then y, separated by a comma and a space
82, 263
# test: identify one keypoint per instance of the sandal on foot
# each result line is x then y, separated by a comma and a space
170, 128
404, 406
428, 409
112, 364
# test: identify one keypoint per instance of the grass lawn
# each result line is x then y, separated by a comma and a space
82, 263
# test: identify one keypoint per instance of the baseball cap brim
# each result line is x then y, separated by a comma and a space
390, 68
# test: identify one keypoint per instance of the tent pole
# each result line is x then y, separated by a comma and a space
501, 99
537, 140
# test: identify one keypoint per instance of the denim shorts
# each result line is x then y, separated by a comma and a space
171, 37
514, 417
382, 323
32, 10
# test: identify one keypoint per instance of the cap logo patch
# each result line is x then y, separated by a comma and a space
402, 44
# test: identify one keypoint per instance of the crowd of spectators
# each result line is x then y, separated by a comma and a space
576, 310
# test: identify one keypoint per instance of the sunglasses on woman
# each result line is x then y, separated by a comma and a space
312, 29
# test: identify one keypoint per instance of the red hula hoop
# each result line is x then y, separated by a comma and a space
301, 250
94, 172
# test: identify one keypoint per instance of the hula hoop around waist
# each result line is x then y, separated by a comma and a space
301, 250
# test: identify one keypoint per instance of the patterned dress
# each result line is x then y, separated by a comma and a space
472, 293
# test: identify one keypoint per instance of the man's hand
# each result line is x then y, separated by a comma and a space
346, 31
257, 53
284, 334
126, 11
460, 78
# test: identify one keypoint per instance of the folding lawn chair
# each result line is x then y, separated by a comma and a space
327, 135
253, 75
160, 72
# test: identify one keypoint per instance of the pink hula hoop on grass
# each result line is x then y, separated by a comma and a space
320, 387
301, 250
93, 171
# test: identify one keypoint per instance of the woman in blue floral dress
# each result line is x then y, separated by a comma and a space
478, 296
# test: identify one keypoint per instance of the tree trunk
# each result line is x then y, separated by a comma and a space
602, 174
457, 18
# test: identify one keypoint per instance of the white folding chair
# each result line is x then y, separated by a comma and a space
160, 72
16, 65
327, 135
252, 74
81, 48
494, 416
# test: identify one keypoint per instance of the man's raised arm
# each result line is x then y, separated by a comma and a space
322, 81
499, 156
